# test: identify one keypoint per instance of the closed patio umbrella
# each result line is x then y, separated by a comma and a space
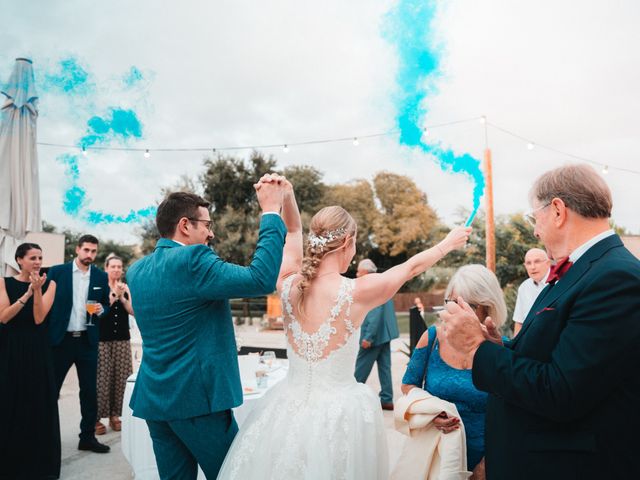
19, 181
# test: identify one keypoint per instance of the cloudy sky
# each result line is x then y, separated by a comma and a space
560, 73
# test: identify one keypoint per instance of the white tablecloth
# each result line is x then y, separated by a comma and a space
136, 441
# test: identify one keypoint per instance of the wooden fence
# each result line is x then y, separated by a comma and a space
404, 301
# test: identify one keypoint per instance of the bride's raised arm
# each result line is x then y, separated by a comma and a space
292, 257
377, 288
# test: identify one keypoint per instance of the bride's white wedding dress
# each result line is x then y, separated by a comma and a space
318, 423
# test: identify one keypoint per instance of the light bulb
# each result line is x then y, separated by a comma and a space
425, 132
84, 151
530, 146
285, 149
147, 153
483, 119
356, 142
605, 169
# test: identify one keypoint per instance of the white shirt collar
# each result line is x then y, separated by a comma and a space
543, 281
179, 243
582, 249
75, 268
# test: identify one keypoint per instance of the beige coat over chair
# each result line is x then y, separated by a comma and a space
428, 453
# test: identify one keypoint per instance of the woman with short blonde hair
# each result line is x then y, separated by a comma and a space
441, 371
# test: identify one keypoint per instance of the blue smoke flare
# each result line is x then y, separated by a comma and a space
70, 78
409, 27
119, 124
132, 77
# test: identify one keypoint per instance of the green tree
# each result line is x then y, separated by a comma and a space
357, 198
308, 185
126, 252
514, 237
394, 218
406, 220
228, 181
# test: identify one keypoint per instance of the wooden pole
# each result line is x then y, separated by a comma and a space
490, 223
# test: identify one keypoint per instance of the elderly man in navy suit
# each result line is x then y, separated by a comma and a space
74, 339
564, 393
378, 329
189, 378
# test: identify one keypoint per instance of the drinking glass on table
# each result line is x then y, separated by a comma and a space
268, 358
92, 308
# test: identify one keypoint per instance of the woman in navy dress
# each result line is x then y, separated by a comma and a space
29, 425
448, 375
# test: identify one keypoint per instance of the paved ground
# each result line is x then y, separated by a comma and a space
77, 465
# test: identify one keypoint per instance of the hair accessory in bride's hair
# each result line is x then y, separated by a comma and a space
322, 240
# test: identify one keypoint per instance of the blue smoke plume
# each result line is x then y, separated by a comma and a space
74, 198
132, 77
70, 78
409, 27
117, 125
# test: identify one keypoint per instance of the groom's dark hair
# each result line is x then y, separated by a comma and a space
175, 206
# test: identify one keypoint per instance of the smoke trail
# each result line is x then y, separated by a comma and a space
117, 125
96, 217
409, 27
132, 78
69, 78
74, 199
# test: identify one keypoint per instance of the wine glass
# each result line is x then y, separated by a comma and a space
268, 358
92, 308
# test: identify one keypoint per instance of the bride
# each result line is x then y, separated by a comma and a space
319, 423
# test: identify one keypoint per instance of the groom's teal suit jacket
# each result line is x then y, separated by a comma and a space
181, 298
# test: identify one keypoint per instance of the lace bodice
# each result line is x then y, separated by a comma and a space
323, 358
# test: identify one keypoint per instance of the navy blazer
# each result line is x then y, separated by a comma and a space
380, 325
181, 298
60, 313
565, 392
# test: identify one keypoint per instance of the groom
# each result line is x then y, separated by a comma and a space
189, 380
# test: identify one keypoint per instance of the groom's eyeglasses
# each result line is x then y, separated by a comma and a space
208, 224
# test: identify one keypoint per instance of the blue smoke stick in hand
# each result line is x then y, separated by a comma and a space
409, 27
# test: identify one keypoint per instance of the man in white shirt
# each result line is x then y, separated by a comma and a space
74, 334
537, 264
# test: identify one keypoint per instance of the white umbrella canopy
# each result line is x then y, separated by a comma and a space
19, 181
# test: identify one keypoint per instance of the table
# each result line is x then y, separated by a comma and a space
136, 441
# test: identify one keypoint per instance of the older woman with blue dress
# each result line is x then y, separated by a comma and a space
441, 371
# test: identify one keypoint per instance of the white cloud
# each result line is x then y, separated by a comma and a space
234, 73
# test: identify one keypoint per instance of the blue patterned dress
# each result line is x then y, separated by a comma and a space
455, 386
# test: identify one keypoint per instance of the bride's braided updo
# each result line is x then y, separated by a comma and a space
327, 232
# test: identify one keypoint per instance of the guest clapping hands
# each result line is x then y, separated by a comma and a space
30, 431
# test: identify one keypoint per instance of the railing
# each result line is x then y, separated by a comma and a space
245, 309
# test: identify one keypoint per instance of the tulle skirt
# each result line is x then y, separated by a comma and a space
320, 433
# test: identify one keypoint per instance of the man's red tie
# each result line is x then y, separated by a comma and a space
559, 269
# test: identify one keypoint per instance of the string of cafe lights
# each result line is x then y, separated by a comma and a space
355, 140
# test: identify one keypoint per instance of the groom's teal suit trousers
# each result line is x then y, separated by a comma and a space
189, 379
